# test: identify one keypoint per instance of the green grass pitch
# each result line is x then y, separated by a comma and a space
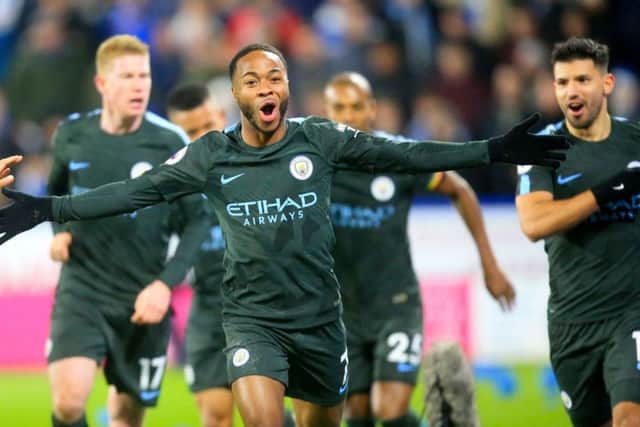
24, 401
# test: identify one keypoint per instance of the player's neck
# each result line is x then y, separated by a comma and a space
114, 123
255, 138
598, 131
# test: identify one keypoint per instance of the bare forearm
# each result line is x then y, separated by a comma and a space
541, 217
469, 209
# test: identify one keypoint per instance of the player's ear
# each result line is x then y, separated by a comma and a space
609, 83
99, 83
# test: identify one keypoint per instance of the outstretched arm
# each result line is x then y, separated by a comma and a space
185, 173
464, 198
357, 150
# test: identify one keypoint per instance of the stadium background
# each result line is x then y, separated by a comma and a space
440, 69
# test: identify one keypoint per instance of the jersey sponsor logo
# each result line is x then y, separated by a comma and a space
76, 166
348, 216
623, 210
562, 180
301, 167
140, 168
566, 399
522, 169
177, 156
261, 212
240, 357
189, 374
224, 180
383, 188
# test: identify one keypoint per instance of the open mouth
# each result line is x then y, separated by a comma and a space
268, 111
576, 107
137, 102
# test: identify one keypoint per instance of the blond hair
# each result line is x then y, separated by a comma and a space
116, 46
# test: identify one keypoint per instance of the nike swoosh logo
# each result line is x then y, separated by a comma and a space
619, 187
148, 395
567, 179
406, 367
225, 180
75, 166
342, 389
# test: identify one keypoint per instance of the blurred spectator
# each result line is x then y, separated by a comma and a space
625, 99
455, 81
433, 62
50, 74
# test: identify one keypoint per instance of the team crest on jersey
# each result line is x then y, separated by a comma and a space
140, 168
566, 399
189, 374
177, 156
301, 167
383, 188
240, 357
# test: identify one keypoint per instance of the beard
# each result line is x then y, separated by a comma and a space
251, 113
586, 121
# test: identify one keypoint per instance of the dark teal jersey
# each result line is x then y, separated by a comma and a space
208, 268
112, 259
372, 256
593, 268
273, 204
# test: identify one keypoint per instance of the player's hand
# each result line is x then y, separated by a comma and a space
24, 213
500, 288
520, 147
621, 186
59, 249
5, 169
152, 303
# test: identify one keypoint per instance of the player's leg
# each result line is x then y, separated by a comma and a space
71, 380
258, 369
357, 411
577, 357
74, 349
215, 406
622, 370
313, 415
318, 374
134, 369
206, 370
396, 365
123, 409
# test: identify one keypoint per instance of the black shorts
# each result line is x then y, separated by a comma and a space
311, 363
597, 366
134, 355
206, 362
391, 354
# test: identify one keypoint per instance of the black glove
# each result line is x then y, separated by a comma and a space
24, 213
621, 186
520, 147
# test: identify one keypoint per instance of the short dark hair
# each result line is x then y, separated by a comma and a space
187, 96
581, 48
251, 48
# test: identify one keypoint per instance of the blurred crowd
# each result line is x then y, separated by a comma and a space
440, 69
